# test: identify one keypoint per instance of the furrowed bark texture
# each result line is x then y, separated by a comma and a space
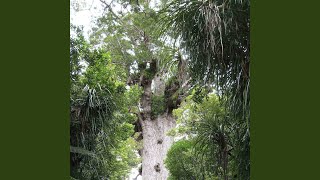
155, 147
155, 141
155, 116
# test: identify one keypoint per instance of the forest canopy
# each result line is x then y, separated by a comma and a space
162, 88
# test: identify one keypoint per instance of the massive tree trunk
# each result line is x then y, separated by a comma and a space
155, 146
156, 119
154, 129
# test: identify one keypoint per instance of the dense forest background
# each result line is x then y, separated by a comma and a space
162, 87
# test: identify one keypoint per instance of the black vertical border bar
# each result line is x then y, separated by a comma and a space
285, 118
34, 90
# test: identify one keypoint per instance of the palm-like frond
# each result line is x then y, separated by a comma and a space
215, 35
89, 116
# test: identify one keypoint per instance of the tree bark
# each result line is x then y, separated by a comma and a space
154, 127
155, 146
155, 141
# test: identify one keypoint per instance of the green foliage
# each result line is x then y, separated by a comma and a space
199, 94
132, 38
78, 47
192, 112
149, 73
213, 138
133, 95
215, 36
180, 161
184, 165
171, 81
101, 125
172, 92
158, 105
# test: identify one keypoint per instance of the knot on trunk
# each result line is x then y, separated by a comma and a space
157, 167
